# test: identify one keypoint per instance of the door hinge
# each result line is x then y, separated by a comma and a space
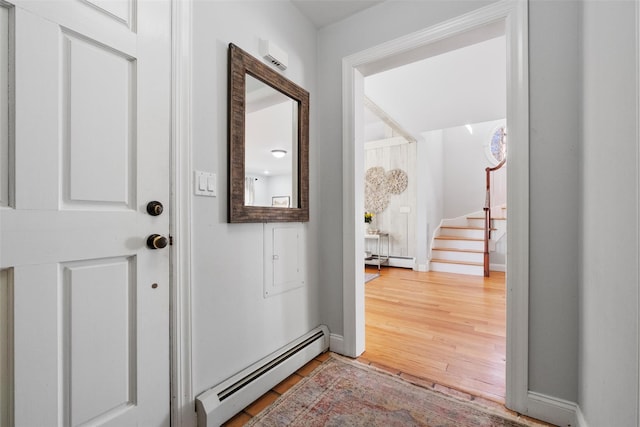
170, 240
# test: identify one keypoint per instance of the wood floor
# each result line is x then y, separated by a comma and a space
445, 328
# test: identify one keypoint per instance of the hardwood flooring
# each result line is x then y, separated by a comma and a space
441, 331
444, 328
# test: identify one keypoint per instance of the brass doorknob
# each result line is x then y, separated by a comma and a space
156, 241
154, 208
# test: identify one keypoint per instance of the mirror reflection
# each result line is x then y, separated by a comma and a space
271, 143
268, 143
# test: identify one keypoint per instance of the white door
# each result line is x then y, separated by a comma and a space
84, 304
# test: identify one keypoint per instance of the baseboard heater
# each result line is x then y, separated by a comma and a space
218, 404
401, 261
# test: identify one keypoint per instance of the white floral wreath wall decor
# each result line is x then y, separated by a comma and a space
379, 185
397, 181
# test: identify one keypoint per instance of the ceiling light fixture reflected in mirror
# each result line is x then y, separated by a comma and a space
278, 154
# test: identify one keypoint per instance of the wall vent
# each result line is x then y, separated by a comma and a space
218, 404
274, 54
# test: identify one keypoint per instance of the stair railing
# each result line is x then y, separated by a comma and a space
487, 214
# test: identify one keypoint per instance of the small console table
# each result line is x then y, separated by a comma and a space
378, 258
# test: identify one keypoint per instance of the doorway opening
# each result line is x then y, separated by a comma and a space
512, 16
447, 325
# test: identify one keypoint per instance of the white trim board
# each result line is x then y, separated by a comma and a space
580, 420
336, 343
388, 142
557, 411
514, 14
182, 398
388, 120
638, 184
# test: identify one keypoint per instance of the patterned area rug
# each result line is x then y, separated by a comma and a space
341, 392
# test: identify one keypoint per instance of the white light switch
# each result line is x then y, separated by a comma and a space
205, 183
211, 183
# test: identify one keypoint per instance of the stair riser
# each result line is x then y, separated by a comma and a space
462, 232
479, 222
460, 244
457, 268
457, 256
475, 222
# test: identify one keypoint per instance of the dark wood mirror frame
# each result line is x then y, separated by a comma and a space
241, 64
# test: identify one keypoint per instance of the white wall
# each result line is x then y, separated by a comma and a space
553, 310
464, 169
391, 154
266, 187
608, 389
233, 324
432, 157
280, 185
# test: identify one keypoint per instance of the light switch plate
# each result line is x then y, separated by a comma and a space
204, 183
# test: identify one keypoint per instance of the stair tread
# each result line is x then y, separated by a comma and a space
447, 237
462, 227
446, 261
502, 218
473, 251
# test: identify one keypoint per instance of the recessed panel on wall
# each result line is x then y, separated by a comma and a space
120, 10
5, 84
285, 258
100, 329
99, 125
6, 284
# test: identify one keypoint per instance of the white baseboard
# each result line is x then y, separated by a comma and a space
580, 421
498, 267
336, 343
402, 262
560, 412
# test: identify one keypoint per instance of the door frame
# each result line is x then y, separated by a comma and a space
182, 397
514, 13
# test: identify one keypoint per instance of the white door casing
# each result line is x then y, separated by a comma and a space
514, 14
89, 147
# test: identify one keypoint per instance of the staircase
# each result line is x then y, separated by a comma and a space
458, 243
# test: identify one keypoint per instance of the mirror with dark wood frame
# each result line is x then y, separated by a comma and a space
268, 143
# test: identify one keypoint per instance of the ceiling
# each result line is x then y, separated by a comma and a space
327, 12
463, 86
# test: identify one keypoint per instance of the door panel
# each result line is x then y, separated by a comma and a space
99, 328
119, 10
89, 300
98, 119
